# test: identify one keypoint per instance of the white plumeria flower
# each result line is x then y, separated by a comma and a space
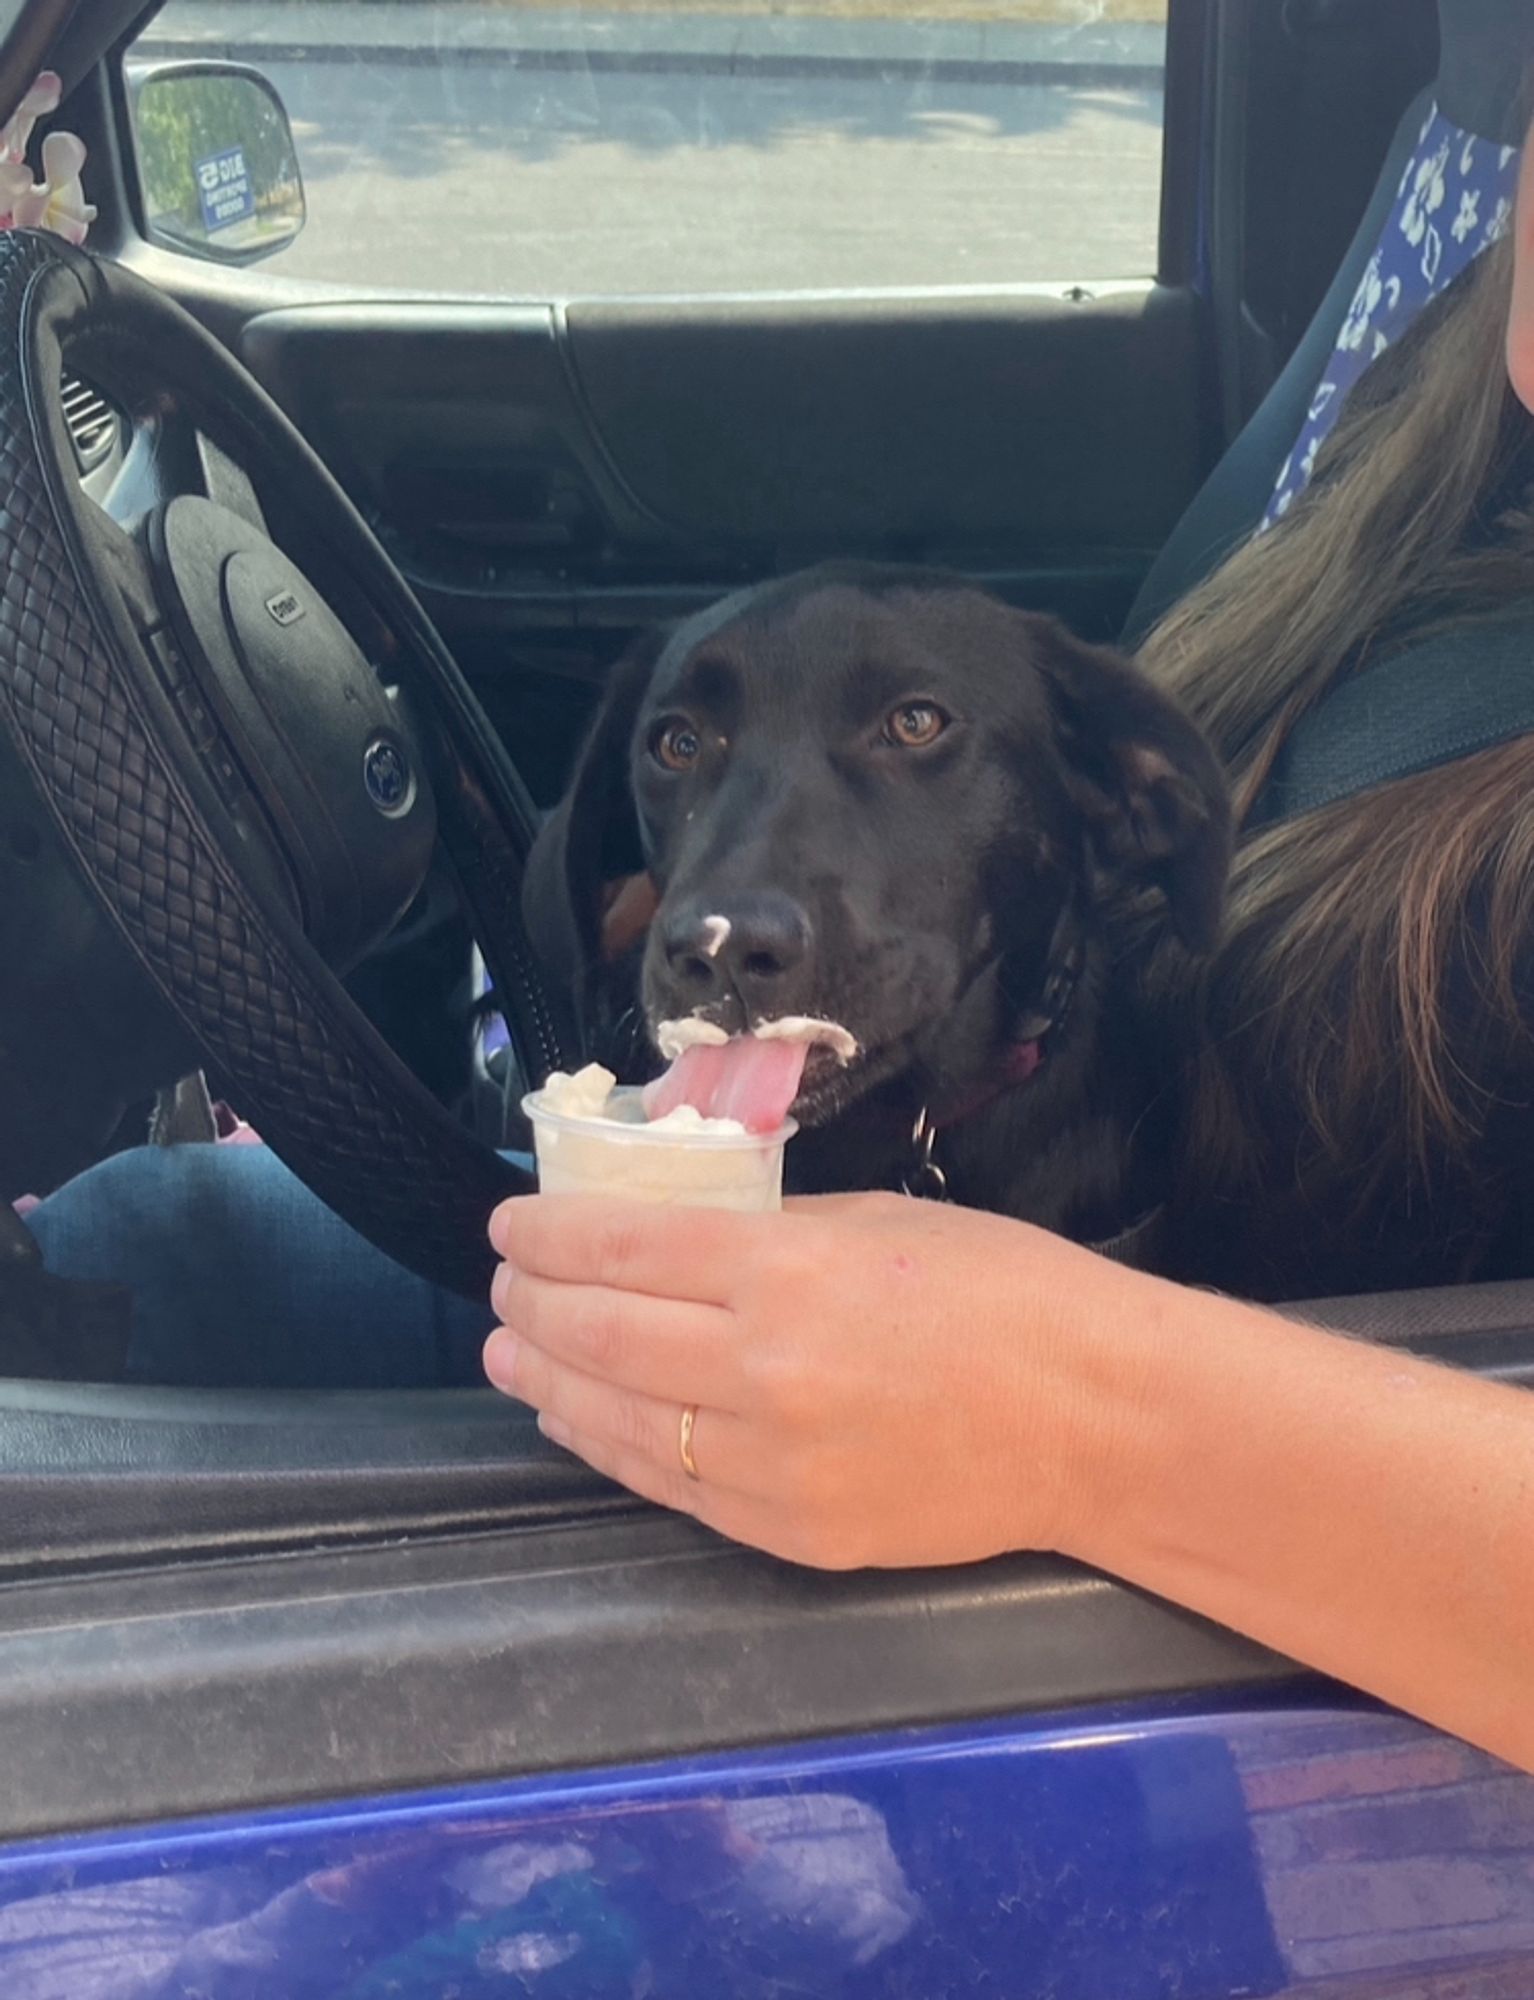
1469, 214
1501, 216
1427, 195
15, 184
41, 101
1427, 125
1365, 300
58, 203
1432, 253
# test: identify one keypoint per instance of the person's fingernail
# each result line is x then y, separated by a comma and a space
555, 1431
500, 1360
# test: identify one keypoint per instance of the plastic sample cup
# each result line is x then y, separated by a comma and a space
619, 1154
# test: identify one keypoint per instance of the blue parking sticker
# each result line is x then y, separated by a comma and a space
224, 184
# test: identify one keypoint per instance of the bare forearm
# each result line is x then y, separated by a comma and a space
1367, 1513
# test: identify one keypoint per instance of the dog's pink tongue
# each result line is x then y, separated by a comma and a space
749, 1080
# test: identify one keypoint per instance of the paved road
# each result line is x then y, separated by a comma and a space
442, 168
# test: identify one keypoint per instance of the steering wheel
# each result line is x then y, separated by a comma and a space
249, 766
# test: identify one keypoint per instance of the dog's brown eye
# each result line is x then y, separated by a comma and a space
675, 746
915, 724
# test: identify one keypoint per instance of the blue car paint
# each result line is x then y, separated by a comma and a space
1197, 1856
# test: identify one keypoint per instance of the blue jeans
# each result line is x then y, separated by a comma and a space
243, 1279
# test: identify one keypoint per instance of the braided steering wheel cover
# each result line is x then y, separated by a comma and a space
80, 698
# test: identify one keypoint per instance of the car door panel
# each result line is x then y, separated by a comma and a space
554, 458
553, 479
1129, 1855
1004, 428
387, 1657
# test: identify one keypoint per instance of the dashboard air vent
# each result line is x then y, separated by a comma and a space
93, 423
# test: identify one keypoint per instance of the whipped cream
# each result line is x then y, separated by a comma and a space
583, 1095
592, 1138
688, 1118
588, 1095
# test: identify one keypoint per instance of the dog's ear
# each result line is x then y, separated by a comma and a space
591, 839
1144, 774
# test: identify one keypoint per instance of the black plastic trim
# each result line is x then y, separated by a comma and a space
110, 1477
32, 34
98, 1478
1182, 147
241, 1685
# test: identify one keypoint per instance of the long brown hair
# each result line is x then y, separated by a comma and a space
1351, 987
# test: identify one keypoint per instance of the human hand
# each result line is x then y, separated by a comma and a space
879, 1382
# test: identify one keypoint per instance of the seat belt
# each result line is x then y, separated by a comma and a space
1439, 698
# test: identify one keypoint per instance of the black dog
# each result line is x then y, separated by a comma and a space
884, 799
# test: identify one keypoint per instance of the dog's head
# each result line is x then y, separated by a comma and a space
863, 796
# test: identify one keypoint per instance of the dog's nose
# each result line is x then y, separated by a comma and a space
752, 944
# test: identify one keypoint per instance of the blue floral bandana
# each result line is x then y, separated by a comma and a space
1455, 200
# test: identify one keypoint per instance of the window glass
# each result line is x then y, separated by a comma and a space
654, 146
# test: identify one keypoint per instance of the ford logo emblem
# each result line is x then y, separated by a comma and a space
389, 779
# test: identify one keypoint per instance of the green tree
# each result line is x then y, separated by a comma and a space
183, 118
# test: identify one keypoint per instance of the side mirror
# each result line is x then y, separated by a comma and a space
218, 170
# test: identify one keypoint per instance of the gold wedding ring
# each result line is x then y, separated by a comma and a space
684, 1441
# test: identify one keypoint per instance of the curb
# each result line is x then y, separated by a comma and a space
1067, 75
406, 32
